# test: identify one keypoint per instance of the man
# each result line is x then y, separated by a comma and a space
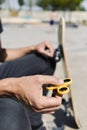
23, 75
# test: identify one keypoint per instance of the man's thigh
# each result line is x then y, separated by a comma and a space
13, 115
30, 64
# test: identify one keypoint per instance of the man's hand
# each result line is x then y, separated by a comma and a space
45, 48
30, 90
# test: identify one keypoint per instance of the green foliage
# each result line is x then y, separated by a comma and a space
60, 4
30, 3
21, 2
44, 3
2, 1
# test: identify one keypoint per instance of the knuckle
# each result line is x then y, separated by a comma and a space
58, 80
55, 79
39, 78
46, 42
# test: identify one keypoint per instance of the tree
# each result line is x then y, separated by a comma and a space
21, 3
45, 4
1, 2
60, 4
30, 4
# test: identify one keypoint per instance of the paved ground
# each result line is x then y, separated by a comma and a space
76, 46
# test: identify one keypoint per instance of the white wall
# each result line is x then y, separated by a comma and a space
45, 15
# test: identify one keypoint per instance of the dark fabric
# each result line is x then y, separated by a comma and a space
1, 29
14, 115
52, 22
30, 64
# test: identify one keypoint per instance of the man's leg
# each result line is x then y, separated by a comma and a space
13, 115
28, 65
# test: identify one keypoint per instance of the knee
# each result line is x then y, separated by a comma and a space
12, 115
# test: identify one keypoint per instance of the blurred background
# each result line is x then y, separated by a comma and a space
72, 10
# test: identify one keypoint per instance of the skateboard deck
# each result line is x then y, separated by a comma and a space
68, 99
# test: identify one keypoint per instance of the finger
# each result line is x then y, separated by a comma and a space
47, 49
47, 110
47, 53
49, 46
49, 102
50, 80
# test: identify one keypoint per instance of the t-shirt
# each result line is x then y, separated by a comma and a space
1, 29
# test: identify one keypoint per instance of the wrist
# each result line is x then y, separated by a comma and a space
7, 86
33, 48
30, 49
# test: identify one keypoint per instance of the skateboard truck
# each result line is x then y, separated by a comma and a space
58, 54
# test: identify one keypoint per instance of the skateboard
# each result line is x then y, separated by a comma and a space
60, 55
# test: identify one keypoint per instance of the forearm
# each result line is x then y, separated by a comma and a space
12, 54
